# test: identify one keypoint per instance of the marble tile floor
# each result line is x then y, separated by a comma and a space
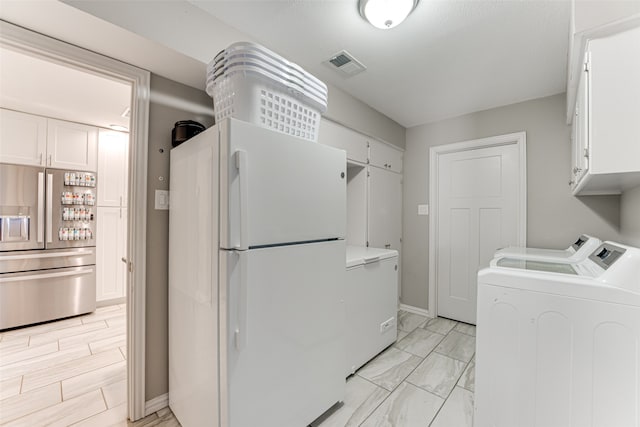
426, 379
69, 372
73, 373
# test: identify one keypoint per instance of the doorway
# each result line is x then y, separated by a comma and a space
478, 195
38, 46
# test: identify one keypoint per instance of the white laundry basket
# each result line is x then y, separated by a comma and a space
251, 83
253, 97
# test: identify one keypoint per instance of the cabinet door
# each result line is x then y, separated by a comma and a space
385, 209
110, 249
385, 213
614, 103
72, 146
23, 138
580, 133
335, 135
112, 168
384, 156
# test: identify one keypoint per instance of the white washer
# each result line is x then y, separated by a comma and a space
578, 251
371, 303
558, 344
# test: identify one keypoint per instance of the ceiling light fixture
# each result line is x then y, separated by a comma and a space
385, 14
119, 128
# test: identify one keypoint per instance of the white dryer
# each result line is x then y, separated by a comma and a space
558, 344
578, 251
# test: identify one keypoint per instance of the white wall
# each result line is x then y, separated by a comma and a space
630, 217
554, 217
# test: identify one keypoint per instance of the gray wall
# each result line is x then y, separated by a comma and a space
554, 217
170, 102
355, 114
630, 217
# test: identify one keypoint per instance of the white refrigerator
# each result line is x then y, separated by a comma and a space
256, 278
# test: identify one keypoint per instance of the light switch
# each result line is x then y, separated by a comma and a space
162, 200
423, 209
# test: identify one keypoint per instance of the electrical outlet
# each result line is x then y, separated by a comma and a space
387, 324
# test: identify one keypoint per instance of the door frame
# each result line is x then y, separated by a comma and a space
517, 138
41, 46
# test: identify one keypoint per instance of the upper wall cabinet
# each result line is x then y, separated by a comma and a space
606, 130
72, 146
27, 139
334, 135
23, 138
591, 20
384, 156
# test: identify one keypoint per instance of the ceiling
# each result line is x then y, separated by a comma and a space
450, 57
38, 86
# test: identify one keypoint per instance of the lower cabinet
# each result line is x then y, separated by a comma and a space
385, 212
111, 247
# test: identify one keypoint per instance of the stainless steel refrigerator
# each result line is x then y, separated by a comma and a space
47, 244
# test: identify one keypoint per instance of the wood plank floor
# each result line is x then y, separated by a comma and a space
69, 372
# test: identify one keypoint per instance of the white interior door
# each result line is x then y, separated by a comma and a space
478, 211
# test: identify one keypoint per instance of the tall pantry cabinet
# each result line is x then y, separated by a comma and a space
374, 187
111, 244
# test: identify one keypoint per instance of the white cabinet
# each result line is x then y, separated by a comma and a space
579, 135
111, 247
385, 209
385, 156
27, 139
72, 146
607, 132
374, 187
23, 138
384, 220
354, 143
112, 168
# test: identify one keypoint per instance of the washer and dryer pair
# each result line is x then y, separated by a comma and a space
558, 337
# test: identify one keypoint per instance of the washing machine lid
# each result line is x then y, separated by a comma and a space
360, 255
527, 264
578, 251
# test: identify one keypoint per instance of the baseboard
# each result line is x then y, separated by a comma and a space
108, 302
155, 404
415, 310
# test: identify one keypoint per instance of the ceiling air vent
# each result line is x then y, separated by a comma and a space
345, 64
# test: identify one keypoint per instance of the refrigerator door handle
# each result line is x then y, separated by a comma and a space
40, 233
241, 165
49, 212
241, 327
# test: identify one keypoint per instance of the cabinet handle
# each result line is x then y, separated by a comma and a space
41, 164
49, 159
